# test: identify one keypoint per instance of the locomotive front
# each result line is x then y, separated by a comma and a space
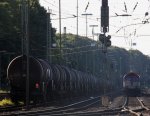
131, 84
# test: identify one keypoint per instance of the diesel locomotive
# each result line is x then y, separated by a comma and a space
131, 84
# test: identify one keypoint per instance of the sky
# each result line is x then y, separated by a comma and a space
125, 30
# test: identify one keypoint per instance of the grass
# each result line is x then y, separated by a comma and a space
6, 102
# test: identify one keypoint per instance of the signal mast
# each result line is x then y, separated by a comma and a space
105, 40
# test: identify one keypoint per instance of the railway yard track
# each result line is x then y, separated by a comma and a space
58, 110
120, 106
136, 107
91, 106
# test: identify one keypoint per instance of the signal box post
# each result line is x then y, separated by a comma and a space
105, 26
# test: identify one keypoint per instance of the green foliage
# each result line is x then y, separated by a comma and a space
11, 31
37, 29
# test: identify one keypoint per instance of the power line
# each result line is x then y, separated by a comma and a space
73, 16
129, 25
50, 3
58, 8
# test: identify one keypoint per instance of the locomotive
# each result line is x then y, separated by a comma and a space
131, 84
48, 81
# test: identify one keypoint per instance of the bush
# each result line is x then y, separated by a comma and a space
6, 102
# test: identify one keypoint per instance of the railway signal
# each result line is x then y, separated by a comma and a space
105, 26
104, 16
105, 40
102, 38
108, 42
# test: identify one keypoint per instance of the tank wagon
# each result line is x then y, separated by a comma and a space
131, 84
48, 82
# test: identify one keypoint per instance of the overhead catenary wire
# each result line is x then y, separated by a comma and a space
129, 25
66, 12
62, 11
134, 8
50, 3
72, 14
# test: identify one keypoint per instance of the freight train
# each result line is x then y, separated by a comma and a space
47, 81
131, 84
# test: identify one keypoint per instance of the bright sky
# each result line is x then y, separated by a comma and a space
123, 30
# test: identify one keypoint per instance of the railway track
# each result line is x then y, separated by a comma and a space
68, 108
92, 111
10, 108
88, 107
122, 105
118, 102
146, 101
135, 106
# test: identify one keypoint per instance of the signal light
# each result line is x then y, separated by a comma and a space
105, 40
108, 43
101, 38
108, 37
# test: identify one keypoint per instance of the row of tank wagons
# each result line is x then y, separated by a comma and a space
131, 84
48, 81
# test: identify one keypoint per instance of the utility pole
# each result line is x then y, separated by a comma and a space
76, 55
64, 41
60, 24
86, 14
1, 52
25, 44
49, 35
48, 44
27, 53
77, 18
0, 72
93, 44
23, 26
